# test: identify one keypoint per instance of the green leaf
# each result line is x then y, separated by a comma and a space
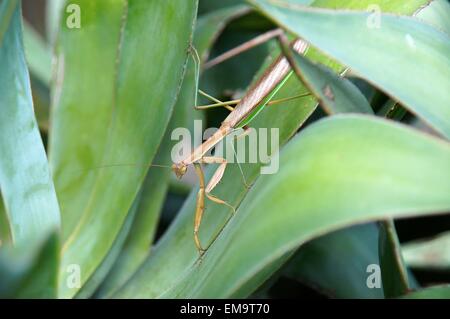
435, 292
326, 169
352, 39
30, 271
336, 94
265, 275
54, 11
27, 188
340, 257
107, 264
118, 76
339, 95
433, 253
393, 270
137, 245
38, 54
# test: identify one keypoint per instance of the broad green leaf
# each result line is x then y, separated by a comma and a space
132, 55
138, 244
336, 264
75, 97
339, 95
385, 6
431, 254
54, 11
30, 271
326, 169
225, 72
140, 237
364, 45
393, 271
38, 54
93, 283
26, 186
265, 275
335, 94
435, 292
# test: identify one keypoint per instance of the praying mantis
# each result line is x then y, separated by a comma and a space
257, 97
246, 109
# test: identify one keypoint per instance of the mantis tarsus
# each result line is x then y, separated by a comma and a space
246, 109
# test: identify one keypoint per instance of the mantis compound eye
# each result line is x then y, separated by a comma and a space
179, 170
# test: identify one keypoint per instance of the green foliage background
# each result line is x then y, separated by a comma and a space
85, 111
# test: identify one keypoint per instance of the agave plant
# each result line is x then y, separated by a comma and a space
91, 210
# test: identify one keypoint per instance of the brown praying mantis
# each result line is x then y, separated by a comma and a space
258, 96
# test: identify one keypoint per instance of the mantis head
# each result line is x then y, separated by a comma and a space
179, 169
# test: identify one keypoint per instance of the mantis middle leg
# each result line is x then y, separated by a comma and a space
205, 191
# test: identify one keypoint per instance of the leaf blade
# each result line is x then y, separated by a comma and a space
347, 37
125, 126
336, 94
27, 188
339, 169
